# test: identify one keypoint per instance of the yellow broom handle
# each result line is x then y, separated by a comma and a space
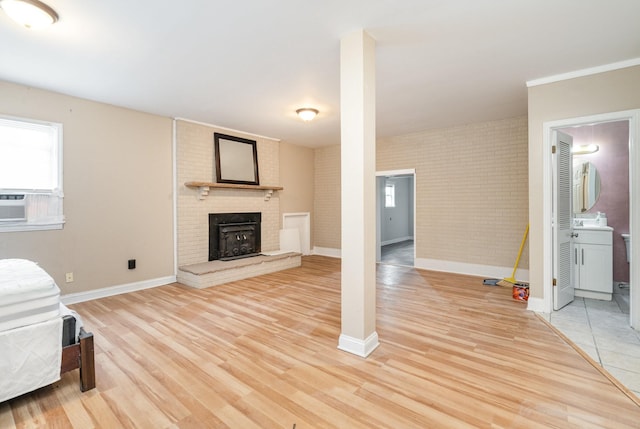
524, 239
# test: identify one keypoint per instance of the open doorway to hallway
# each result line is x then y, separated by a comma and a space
396, 217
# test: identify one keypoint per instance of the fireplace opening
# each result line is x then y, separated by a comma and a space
234, 235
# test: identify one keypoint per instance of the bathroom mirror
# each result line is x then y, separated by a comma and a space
586, 186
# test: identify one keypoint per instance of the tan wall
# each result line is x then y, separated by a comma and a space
118, 192
195, 162
326, 205
471, 190
296, 176
590, 95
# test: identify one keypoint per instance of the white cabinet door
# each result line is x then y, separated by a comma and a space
596, 268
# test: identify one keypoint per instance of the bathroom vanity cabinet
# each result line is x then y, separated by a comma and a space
593, 262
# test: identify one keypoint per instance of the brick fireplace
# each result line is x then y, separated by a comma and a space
196, 162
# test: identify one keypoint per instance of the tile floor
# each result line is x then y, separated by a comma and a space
398, 253
601, 329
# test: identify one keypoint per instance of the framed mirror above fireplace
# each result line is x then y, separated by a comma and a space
236, 160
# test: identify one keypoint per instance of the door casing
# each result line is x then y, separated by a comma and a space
633, 116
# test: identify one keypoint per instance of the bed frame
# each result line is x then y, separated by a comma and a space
80, 355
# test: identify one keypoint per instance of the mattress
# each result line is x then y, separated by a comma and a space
28, 294
30, 357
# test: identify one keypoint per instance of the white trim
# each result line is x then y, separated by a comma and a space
174, 149
74, 298
396, 240
225, 129
396, 172
32, 227
358, 347
633, 116
327, 251
634, 218
470, 269
537, 305
383, 173
592, 294
584, 72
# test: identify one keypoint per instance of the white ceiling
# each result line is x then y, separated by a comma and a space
248, 64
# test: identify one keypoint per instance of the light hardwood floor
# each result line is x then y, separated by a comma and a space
261, 353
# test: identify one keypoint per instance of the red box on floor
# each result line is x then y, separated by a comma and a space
521, 292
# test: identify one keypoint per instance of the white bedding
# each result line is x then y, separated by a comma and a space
28, 294
30, 357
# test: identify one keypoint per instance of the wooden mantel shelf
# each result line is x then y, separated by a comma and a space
204, 188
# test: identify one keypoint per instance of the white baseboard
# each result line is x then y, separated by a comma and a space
470, 269
538, 305
362, 348
89, 295
327, 251
395, 240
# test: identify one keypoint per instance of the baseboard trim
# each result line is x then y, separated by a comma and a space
327, 251
358, 347
74, 298
470, 269
538, 305
396, 240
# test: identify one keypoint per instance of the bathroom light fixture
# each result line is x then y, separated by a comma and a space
33, 14
585, 149
307, 113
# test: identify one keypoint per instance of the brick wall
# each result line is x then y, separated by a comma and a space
471, 190
195, 162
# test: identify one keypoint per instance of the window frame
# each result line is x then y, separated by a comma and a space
392, 195
56, 195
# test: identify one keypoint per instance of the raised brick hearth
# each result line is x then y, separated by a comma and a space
213, 273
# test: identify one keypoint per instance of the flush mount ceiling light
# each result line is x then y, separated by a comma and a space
307, 113
585, 149
32, 14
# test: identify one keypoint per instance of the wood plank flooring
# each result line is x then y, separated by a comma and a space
261, 353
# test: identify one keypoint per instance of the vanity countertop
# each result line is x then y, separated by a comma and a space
592, 228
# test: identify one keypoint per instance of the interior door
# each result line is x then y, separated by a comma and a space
563, 291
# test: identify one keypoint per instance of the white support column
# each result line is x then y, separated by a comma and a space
358, 177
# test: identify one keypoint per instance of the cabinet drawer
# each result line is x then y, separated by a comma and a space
593, 237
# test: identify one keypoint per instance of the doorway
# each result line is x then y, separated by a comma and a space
631, 118
395, 217
601, 325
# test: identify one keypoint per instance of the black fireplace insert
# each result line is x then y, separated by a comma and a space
234, 235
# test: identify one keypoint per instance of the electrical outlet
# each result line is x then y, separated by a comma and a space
69, 277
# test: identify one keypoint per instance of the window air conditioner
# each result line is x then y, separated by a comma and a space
12, 207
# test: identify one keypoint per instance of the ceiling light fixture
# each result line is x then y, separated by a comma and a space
33, 14
585, 149
307, 113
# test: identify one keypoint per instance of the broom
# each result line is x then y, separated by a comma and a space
511, 281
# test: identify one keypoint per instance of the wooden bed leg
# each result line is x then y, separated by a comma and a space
87, 364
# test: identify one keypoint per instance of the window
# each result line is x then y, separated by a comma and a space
390, 195
30, 175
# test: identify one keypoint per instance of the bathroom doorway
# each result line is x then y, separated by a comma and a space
632, 117
605, 147
395, 217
